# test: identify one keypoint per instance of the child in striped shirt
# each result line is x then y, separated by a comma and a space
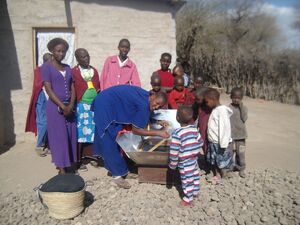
185, 147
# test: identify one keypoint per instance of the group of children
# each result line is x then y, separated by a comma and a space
66, 122
215, 131
176, 84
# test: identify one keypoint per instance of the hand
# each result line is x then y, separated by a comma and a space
163, 123
201, 151
163, 134
67, 111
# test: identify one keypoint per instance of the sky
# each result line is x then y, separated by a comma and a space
285, 15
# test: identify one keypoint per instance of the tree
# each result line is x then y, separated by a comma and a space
230, 44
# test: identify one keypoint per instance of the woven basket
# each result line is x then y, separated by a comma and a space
63, 205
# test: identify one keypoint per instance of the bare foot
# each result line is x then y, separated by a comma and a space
61, 170
184, 204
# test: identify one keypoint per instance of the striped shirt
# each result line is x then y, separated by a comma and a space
185, 145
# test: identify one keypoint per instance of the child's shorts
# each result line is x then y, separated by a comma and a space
220, 157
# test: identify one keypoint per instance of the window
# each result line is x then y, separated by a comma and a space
41, 37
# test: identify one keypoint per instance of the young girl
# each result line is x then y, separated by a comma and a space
86, 83
61, 119
219, 153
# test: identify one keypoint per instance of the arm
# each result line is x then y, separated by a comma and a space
224, 128
200, 140
171, 101
135, 79
52, 95
244, 112
167, 89
97, 80
104, 74
174, 152
143, 132
69, 109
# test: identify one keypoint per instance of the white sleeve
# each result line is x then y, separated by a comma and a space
224, 128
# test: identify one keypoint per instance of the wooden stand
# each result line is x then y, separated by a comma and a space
158, 175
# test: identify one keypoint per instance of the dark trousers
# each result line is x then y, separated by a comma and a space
239, 147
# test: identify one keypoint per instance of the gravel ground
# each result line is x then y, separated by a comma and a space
264, 197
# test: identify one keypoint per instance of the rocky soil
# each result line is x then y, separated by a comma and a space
264, 197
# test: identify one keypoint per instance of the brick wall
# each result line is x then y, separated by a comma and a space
99, 25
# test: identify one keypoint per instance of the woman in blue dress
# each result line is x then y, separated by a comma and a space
118, 106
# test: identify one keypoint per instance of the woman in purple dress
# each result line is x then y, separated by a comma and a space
59, 110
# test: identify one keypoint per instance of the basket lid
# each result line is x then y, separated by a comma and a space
64, 183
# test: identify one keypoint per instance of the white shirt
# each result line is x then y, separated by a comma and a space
121, 64
219, 129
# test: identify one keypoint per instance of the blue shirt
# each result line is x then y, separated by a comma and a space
123, 104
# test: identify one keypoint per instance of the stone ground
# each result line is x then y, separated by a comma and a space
265, 197
269, 195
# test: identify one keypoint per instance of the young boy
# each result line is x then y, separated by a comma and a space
202, 113
155, 83
165, 73
185, 147
198, 82
178, 95
179, 71
191, 97
219, 153
238, 129
120, 69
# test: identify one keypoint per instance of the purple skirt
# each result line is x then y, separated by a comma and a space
61, 136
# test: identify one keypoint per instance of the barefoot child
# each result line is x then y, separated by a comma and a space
177, 96
219, 153
61, 121
238, 128
184, 150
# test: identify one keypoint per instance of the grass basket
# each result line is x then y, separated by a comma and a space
63, 205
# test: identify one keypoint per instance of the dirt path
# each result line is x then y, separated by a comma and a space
274, 141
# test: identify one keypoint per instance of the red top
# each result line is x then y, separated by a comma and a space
203, 116
36, 89
190, 98
177, 98
167, 79
81, 85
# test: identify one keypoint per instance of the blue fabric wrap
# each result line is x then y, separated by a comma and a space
114, 107
41, 120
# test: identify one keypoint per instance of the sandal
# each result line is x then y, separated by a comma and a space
131, 176
122, 183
